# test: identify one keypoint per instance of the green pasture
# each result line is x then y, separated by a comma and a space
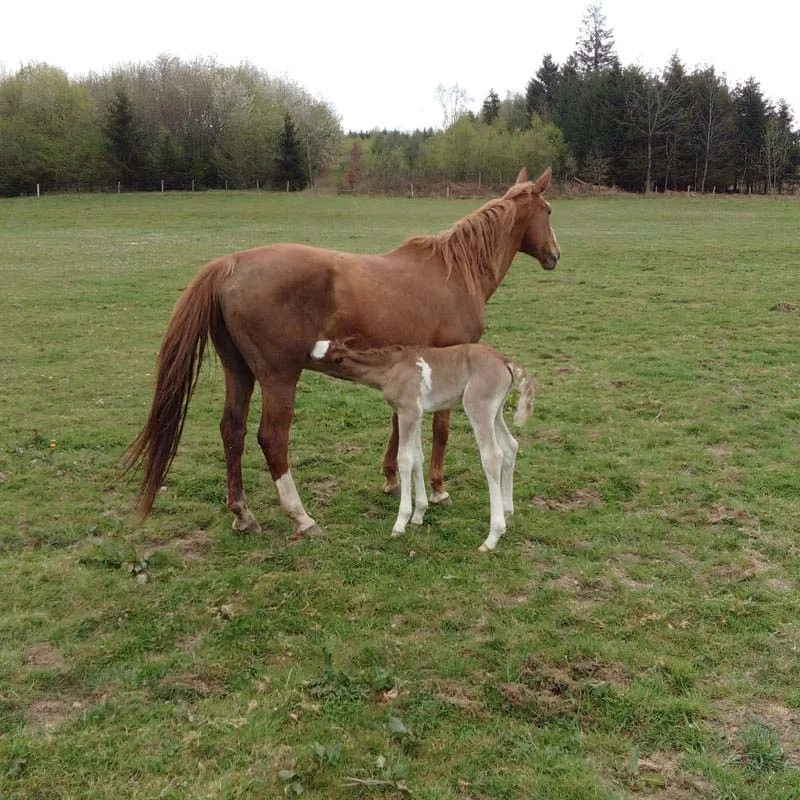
636, 633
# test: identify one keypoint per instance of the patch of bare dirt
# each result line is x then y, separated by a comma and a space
625, 579
188, 643
567, 583
325, 490
550, 436
192, 686
721, 451
579, 499
785, 307
45, 655
770, 712
456, 695
719, 513
671, 783
49, 714
190, 545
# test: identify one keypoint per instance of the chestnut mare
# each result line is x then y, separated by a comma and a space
264, 310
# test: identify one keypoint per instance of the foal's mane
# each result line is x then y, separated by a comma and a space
475, 244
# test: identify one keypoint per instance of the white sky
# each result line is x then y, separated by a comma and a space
378, 64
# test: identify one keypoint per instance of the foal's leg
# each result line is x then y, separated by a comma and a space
277, 392
482, 420
509, 446
420, 495
409, 431
389, 464
441, 432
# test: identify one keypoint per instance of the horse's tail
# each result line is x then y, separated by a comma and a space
524, 384
196, 313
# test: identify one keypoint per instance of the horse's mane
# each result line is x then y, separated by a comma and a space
475, 243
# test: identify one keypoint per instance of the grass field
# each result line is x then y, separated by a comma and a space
635, 634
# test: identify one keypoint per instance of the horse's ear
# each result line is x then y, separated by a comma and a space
523, 175
543, 181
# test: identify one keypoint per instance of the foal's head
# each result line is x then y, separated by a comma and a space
336, 357
538, 239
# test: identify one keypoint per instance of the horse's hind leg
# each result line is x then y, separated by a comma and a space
277, 412
441, 433
391, 483
233, 427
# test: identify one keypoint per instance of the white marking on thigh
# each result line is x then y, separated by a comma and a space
425, 375
320, 348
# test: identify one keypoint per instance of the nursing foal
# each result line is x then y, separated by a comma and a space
418, 379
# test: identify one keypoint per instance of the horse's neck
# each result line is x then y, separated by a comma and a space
510, 247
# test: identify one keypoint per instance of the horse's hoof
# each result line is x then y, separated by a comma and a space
483, 549
440, 499
247, 525
397, 534
391, 488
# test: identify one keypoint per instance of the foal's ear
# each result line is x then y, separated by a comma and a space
543, 181
523, 175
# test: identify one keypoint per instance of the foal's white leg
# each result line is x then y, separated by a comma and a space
420, 495
509, 446
492, 460
405, 466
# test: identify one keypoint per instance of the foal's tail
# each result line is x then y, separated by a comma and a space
196, 313
524, 384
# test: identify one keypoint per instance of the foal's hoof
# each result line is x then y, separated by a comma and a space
440, 499
391, 488
311, 530
248, 524
397, 534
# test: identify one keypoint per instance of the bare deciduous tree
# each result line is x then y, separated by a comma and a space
654, 107
453, 100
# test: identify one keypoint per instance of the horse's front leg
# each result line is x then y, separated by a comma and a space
273, 437
441, 433
389, 464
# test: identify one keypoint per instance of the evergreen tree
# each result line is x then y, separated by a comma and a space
595, 44
540, 93
290, 170
124, 139
751, 122
491, 107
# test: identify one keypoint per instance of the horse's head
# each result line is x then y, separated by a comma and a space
538, 239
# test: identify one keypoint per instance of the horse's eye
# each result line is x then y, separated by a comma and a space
338, 360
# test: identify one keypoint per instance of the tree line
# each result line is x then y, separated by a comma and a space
189, 124
600, 122
202, 125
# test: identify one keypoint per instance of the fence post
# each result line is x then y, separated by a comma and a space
119, 186
412, 190
448, 191
192, 184
287, 186
162, 186
37, 190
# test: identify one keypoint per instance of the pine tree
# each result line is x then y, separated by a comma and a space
595, 44
491, 107
290, 170
124, 139
541, 90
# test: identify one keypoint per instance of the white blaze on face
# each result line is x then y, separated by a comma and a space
425, 376
320, 348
